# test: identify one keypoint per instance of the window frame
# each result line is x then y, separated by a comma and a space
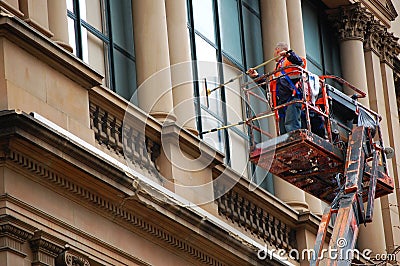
107, 38
220, 55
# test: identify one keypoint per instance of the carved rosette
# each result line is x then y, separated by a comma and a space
373, 36
351, 22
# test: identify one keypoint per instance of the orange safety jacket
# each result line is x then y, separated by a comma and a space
292, 72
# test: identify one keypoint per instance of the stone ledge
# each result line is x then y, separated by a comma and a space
37, 44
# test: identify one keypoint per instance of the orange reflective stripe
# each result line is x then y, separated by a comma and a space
291, 71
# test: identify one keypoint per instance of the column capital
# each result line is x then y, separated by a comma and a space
373, 37
351, 22
390, 48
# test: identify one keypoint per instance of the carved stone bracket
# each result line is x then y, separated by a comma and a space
69, 258
13, 234
45, 248
351, 22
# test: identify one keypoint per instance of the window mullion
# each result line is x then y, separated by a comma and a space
241, 32
196, 85
110, 45
221, 81
78, 29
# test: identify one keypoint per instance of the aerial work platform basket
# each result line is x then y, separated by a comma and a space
337, 154
312, 161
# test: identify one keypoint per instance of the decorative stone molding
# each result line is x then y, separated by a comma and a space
385, 7
69, 258
351, 22
373, 36
125, 141
13, 234
243, 212
114, 209
7, 8
45, 248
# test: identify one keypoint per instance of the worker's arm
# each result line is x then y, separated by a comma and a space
293, 58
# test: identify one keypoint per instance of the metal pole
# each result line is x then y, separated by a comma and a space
241, 75
237, 124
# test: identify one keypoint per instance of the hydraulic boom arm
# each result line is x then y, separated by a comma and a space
348, 203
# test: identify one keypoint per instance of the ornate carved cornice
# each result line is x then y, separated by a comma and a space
384, 7
373, 36
351, 22
148, 212
117, 210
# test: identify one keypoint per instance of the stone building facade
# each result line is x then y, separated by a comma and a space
102, 103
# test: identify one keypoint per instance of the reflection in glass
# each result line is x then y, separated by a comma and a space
203, 16
230, 31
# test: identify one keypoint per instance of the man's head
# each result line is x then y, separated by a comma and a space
280, 46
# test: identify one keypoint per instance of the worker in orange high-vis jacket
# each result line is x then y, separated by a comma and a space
285, 86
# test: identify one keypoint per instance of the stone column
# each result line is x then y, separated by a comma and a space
58, 23
275, 28
297, 43
152, 59
351, 23
181, 67
391, 204
296, 32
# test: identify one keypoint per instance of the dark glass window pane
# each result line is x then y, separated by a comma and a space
252, 38
254, 4
331, 51
321, 45
121, 24
124, 74
314, 68
311, 32
110, 54
229, 28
